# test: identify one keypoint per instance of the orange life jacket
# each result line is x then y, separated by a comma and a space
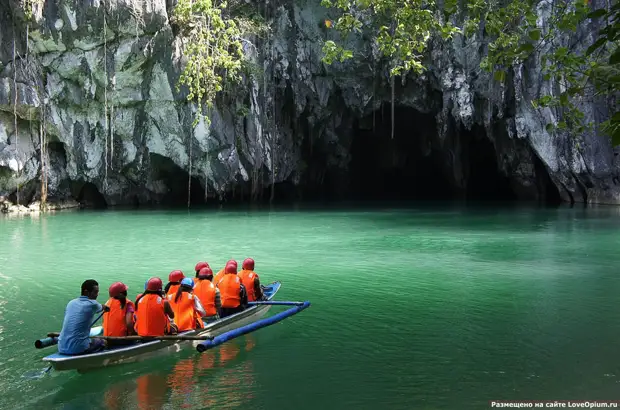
229, 287
185, 315
173, 290
114, 323
151, 320
205, 291
219, 276
247, 278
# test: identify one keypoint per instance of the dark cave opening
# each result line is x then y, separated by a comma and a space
89, 196
176, 180
485, 182
410, 166
57, 153
400, 168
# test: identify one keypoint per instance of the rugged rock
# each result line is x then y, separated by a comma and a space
100, 80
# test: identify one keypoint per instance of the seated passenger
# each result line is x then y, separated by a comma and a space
119, 320
250, 280
199, 265
187, 308
154, 316
174, 281
232, 291
222, 272
74, 337
208, 294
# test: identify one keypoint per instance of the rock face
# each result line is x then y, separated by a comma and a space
99, 79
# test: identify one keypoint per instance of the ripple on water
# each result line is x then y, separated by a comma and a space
426, 308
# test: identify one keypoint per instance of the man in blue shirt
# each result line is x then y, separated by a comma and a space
74, 337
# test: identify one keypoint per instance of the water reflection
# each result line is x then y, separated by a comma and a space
198, 381
151, 391
222, 377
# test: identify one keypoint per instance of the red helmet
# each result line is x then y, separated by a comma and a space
117, 288
233, 262
154, 284
231, 268
201, 265
248, 264
176, 276
205, 272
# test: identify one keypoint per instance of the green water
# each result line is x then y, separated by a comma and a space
428, 308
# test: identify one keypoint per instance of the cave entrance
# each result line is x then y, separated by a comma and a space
398, 168
176, 179
485, 182
90, 197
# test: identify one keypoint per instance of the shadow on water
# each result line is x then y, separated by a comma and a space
188, 379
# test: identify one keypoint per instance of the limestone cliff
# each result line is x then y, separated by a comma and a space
100, 79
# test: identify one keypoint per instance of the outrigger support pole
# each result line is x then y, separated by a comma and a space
232, 334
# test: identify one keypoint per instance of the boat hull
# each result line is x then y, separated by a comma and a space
143, 351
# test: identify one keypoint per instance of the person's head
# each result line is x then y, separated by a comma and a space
205, 273
176, 276
118, 290
199, 266
233, 262
90, 288
248, 264
153, 285
186, 286
231, 269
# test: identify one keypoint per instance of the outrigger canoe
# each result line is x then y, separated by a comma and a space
139, 351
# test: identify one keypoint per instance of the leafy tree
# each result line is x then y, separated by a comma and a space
213, 50
402, 30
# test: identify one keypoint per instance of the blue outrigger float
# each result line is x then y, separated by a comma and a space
213, 334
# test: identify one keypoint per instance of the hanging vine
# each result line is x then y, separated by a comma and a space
213, 50
15, 113
214, 57
31, 9
105, 96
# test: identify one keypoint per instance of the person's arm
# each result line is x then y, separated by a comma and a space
98, 307
218, 300
243, 295
198, 307
129, 318
258, 291
168, 309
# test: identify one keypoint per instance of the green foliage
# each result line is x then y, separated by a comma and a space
29, 7
401, 29
213, 50
516, 37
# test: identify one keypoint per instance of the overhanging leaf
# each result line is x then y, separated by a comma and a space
615, 57
597, 44
615, 137
597, 13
